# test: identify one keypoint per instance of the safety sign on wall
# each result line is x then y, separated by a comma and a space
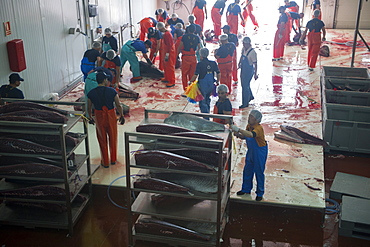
7, 29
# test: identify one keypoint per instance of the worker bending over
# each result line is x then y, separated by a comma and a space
224, 55
155, 37
145, 24
91, 59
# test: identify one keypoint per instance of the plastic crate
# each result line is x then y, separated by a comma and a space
355, 84
353, 113
345, 72
347, 97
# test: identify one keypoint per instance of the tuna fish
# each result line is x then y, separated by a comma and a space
168, 201
193, 122
295, 135
199, 135
12, 145
22, 119
50, 116
25, 106
148, 70
14, 160
207, 157
47, 140
127, 92
162, 159
45, 192
160, 128
163, 228
159, 184
32, 170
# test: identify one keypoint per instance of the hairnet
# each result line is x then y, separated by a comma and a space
160, 11
191, 18
316, 13
160, 25
151, 30
174, 15
224, 37
110, 54
107, 30
222, 88
96, 45
247, 40
204, 52
179, 25
257, 115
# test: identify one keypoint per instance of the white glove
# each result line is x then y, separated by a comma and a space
166, 57
235, 128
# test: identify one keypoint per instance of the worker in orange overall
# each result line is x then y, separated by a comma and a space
161, 15
314, 28
190, 42
167, 49
233, 10
224, 55
113, 61
105, 99
145, 24
216, 13
247, 11
155, 37
199, 13
316, 5
232, 38
280, 35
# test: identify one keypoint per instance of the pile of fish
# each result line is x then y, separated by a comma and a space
292, 134
193, 123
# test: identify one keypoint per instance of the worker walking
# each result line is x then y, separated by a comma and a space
255, 160
248, 12
224, 55
216, 14
104, 98
128, 53
314, 28
234, 39
280, 35
10, 90
199, 13
189, 44
233, 11
91, 59
248, 65
145, 24
294, 17
205, 72
167, 55
112, 61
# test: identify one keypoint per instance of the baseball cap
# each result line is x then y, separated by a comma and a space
101, 76
15, 77
226, 26
108, 30
148, 43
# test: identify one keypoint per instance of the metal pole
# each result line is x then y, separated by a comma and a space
356, 32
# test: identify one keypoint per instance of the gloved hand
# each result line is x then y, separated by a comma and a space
323, 39
166, 57
92, 121
189, 82
149, 62
122, 120
234, 128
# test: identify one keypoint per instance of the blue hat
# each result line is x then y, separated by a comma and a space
101, 76
15, 77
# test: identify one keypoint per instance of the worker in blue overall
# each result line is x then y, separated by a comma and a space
255, 160
248, 65
109, 41
90, 58
206, 70
10, 90
128, 53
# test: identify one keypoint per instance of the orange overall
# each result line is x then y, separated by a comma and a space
279, 41
232, 21
145, 24
106, 127
248, 12
216, 18
199, 16
296, 10
235, 68
314, 43
189, 64
153, 49
168, 47
111, 65
225, 65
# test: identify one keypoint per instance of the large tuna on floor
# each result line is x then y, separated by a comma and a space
148, 70
38, 170
127, 92
293, 134
12, 145
160, 128
166, 160
50, 116
25, 106
163, 228
193, 122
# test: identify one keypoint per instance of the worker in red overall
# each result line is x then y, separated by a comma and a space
292, 6
280, 35
112, 61
199, 13
145, 24
161, 15
105, 99
190, 42
314, 28
232, 16
167, 48
177, 36
247, 11
316, 5
224, 55
155, 37
216, 13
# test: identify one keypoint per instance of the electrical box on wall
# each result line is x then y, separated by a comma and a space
93, 10
17, 60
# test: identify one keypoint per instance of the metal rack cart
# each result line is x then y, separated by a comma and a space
211, 210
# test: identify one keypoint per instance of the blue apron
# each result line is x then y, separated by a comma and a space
246, 75
206, 86
86, 66
106, 47
255, 162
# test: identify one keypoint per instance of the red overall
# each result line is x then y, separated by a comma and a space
289, 26
279, 43
216, 18
189, 64
225, 65
294, 9
235, 68
232, 21
218, 120
248, 12
106, 127
111, 65
314, 43
153, 49
199, 16
167, 46
145, 24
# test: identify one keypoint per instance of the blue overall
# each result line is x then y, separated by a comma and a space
246, 74
128, 53
206, 86
255, 162
86, 66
